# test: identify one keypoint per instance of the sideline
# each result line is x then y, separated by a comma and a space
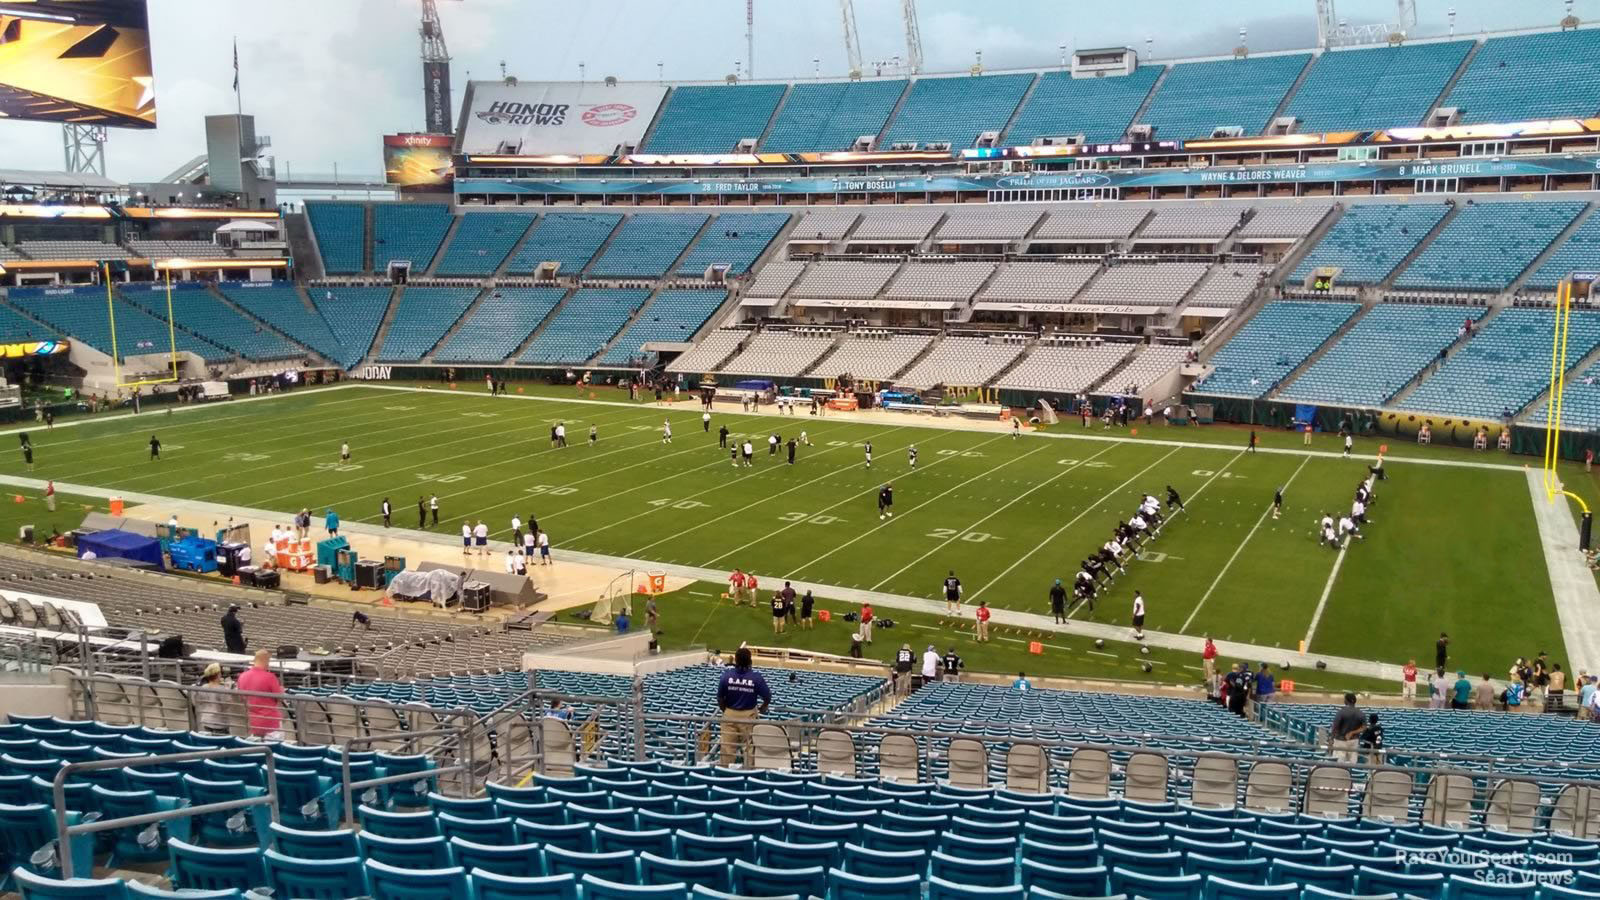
1572, 585
1001, 617
914, 422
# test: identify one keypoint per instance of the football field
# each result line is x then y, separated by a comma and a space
1449, 547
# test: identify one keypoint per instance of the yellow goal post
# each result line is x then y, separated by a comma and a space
1575, 287
111, 319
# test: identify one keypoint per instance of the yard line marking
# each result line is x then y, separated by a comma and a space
1236, 551
96, 418
947, 541
1070, 522
1327, 589
935, 425
882, 525
763, 501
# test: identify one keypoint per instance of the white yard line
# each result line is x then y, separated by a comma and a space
1327, 590
881, 525
1069, 523
1066, 470
1236, 551
1572, 585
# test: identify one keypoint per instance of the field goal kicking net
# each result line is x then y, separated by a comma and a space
116, 351
1577, 286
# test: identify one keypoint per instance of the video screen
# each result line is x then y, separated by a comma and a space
418, 162
80, 61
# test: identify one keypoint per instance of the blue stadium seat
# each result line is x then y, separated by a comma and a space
1463, 888
420, 852
1374, 87
997, 872
647, 244
1380, 354
1218, 888
1334, 878
215, 868
590, 318
831, 115
395, 883
499, 325
735, 240
397, 824
1154, 887
940, 889
1100, 109
1521, 78
713, 873
482, 831
138, 890
39, 887
306, 844
518, 860
860, 860
482, 242
421, 319
1370, 240
577, 837
1081, 881
408, 231
654, 840
1487, 245
844, 885
29, 829
778, 854
1252, 870
340, 230
568, 238
616, 866
956, 110
713, 118
1271, 345
314, 879
1200, 96
491, 886
752, 880
463, 807
600, 889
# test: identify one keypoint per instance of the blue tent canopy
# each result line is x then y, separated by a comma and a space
119, 544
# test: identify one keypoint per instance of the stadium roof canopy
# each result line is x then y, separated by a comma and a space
57, 180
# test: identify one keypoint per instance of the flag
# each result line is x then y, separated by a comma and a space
236, 65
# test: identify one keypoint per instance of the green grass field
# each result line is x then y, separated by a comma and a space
1449, 548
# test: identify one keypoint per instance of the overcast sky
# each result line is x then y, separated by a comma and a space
326, 78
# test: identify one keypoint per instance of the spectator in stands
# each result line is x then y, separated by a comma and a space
1021, 685
1557, 689
1462, 698
742, 695
209, 704
266, 716
952, 665
1348, 724
1266, 687
1586, 688
902, 669
930, 665
559, 710
359, 618
855, 645
1371, 741
1483, 695
233, 630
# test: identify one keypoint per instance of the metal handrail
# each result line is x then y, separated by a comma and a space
349, 788
59, 795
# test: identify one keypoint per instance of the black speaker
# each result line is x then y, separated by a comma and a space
247, 574
267, 578
171, 647
475, 596
369, 574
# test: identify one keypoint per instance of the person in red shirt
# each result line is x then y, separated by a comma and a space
266, 715
1208, 659
736, 587
750, 585
1408, 682
50, 494
866, 622
983, 620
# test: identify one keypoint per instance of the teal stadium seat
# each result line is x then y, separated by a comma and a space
600, 889
388, 882
1503, 367
941, 889
956, 110
1374, 87
1370, 240
1100, 109
197, 311
1271, 345
314, 879
844, 885
713, 118
618, 865
712, 873
1200, 96
33, 886
215, 868
313, 844
279, 303
832, 115
568, 238
734, 240
1526, 77
1487, 245
421, 319
499, 325
81, 314
674, 315
340, 230
1380, 354
647, 244
482, 242
408, 232
353, 314
577, 331
490, 886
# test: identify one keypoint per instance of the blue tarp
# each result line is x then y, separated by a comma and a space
754, 384
118, 544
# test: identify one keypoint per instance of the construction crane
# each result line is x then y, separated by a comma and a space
908, 9
750, 38
435, 71
852, 40
1332, 32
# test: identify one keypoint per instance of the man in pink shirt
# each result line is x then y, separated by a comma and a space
266, 716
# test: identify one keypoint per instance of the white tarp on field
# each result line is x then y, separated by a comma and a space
542, 117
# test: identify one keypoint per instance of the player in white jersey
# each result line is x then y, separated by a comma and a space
911, 455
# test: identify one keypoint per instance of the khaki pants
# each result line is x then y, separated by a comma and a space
983, 631
1344, 751
736, 735
866, 632
1408, 691
1210, 666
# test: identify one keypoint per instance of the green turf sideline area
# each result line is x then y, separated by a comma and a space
1450, 547
696, 616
